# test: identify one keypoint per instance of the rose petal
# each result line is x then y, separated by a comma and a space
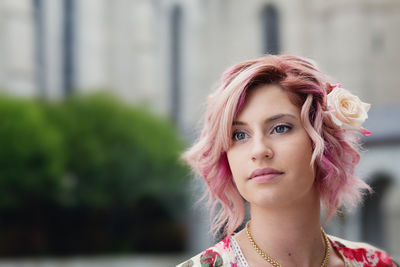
336, 121
366, 106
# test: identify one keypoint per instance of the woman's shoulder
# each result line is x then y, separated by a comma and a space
220, 254
361, 254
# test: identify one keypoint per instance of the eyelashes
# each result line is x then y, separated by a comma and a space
240, 135
281, 126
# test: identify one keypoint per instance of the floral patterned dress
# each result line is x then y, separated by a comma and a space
227, 253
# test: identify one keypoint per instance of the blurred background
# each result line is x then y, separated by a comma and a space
98, 98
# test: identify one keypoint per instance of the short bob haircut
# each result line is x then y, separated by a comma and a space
335, 150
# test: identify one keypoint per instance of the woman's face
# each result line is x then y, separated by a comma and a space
268, 133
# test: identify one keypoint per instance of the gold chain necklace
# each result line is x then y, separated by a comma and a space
274, 262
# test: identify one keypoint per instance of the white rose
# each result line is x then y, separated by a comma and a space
347, 110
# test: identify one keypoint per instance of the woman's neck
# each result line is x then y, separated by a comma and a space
291, 235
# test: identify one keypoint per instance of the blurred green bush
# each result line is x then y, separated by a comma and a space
79, 176
32, 155
116, 154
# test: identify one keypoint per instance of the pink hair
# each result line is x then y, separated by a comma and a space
335, 150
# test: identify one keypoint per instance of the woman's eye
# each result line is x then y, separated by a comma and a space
282, 129
238, 136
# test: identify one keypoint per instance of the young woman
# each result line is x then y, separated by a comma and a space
280, 137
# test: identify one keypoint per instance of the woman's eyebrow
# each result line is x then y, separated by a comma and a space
273, 118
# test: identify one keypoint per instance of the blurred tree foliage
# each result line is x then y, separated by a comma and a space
79, 176
116, 154
32, 159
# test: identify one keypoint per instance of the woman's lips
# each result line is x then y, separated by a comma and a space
264, 175
265, 178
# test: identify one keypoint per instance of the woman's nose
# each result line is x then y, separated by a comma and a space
261, 150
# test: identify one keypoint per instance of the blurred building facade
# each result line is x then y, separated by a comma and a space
170, 53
